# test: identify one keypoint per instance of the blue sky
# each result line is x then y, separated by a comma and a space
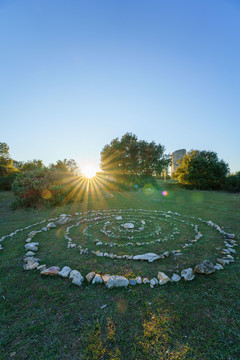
76, 74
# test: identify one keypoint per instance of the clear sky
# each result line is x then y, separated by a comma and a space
75, 74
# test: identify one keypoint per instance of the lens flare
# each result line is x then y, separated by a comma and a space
165, 193
89, 171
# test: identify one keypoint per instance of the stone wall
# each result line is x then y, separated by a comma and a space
177, 155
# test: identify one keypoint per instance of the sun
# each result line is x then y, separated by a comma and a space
89, 171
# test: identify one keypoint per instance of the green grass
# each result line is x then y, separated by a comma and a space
49, 318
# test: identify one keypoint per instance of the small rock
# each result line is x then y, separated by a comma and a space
53, 270
150, 257
146, 281
118, 217
105, 278
132, 282
29, 253
163, 278
175, 278
32, 246
28, 240
77, 278
90, 276
166, 253
153, 282
97, 279
41, 267
128, 226
32, 234
51, 225
103, 307
205, 267
218, 267
65, 271
139, 280
187, 274
30, 265
221, 261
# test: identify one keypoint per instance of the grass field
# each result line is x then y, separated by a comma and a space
50, 318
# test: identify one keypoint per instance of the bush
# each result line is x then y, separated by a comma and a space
202, 170
233, 182
42, 187
6, 182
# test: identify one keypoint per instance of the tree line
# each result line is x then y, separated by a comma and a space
131, 163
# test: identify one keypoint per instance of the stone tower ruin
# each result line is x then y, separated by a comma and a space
177, 155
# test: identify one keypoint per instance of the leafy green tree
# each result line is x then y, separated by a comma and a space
202, 170
65, 165
132, 156
6, 163
29, 165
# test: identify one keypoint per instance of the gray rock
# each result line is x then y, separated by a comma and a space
32, 234
150, 257
163, 278
51, 225
117, 281
175, 278
132, 282
218, 267
205, 267
153, 282
146, 281
32, 246
97, 279
29, 253
65, 271
77, 278
139, 280
128, 226
187, 274
90, 276
52, 271
30, 265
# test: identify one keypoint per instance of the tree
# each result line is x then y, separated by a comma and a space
65, 165
28, 165
6, 163
202, 170
132, 156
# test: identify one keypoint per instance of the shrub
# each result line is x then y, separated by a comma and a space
202, 170
233, 182
42, 187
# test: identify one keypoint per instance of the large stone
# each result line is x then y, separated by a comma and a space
52, 271
32, 246
117, 281
163, 278
205, 267
65, 271
76, 277
150, 257
139, 280
90, 276
128, 226
187, 274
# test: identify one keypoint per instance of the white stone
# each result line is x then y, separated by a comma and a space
146, 281
76, 277
97, 279
117, 281
51, 225
128, 226
28, 240
187, 274
218, 267
30, 265
153, 282
163, 278
139, 280
175, 278
32, 246
118, 217
90, 276
150, 257
65, 271
29, 253
32, 234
